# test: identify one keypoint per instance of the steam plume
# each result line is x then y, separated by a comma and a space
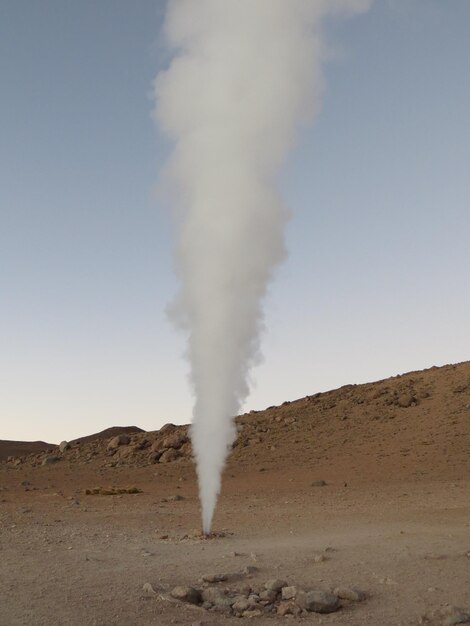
244, 75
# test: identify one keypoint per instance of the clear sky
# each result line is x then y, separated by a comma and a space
377, 279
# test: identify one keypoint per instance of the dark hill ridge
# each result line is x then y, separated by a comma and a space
108, 433
22, 448
415, 425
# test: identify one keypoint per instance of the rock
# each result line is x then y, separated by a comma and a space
241, 605
319, 558
50, 459
63, 446
169, 455
318, 601
119, 440
286, 608
350, 593
318, 483
156, 447
288, 593
214, 578
454, 615
186, 594
269, 595
25, 483
174, 440
174, 498
249, 569
252, 613
275, 584
405, 400
149, 590
245, 589
216, 597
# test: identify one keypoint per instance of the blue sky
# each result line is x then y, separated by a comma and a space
376, 282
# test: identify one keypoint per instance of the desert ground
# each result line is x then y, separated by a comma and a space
365, 488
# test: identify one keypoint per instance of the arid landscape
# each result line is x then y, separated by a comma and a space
361, 494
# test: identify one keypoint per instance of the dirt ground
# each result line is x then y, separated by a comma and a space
70, 558
392, 520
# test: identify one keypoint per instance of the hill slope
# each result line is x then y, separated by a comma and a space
412, 425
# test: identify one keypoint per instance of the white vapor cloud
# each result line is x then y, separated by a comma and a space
245, 74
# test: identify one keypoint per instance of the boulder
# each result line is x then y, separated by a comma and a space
275, 584
318, 601
186, 594
119, 440
169, 455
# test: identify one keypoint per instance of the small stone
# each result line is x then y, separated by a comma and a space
63, 446
275, 584
149, 590
25, 483
318, 601
285, 608
216, 597
186, 594
319, 558
245, 589
252, 613
288, 593
174, 498
241, 605
214, 578
249, 570
350, 593
319, 483
269, 595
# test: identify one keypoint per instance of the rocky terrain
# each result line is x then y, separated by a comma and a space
356, 500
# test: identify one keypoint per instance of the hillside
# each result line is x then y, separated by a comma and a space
412, 425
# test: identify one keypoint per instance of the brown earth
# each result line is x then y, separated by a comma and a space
84, 529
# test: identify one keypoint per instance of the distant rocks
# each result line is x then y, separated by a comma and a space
111, 491
169, 455
406, 400
50, 459
118, 440
319, 483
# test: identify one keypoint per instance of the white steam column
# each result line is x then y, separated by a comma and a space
244, 75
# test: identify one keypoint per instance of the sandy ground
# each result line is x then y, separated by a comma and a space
71, 558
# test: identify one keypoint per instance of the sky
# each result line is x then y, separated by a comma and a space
376, 282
